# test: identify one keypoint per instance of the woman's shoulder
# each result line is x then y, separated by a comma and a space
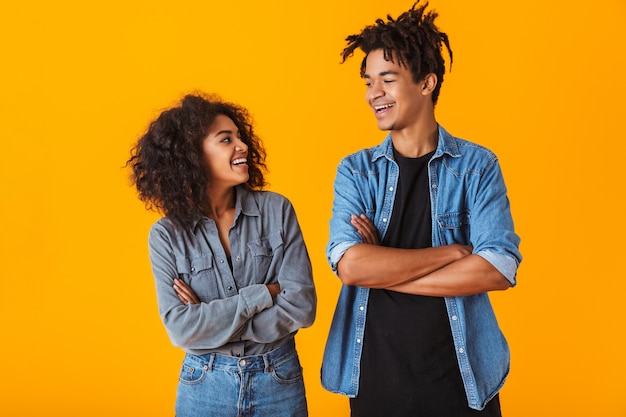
266, 197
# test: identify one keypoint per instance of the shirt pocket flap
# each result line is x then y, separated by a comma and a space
266, 246
453, 220
193, 266
260, 248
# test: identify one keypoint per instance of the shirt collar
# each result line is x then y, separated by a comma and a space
446, 144
245, 204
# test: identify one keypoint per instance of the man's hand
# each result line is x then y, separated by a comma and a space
365, 228
186, 294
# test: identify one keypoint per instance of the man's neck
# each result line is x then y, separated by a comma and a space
416, 141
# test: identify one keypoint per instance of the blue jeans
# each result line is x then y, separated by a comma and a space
269, 385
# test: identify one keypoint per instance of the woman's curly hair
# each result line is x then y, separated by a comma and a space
167, 162
413, 38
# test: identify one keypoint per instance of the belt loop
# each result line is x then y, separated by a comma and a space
210, 364
268, 364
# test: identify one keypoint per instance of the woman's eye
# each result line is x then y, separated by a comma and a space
226, 140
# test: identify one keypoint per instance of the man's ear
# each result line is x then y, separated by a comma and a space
430, 82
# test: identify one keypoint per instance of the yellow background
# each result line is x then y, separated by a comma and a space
542, 84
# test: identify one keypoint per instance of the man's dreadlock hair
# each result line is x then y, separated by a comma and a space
412, 39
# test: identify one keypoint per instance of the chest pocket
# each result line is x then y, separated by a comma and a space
266, 255
198, 273
454, 228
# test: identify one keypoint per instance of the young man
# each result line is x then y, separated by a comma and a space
421, 230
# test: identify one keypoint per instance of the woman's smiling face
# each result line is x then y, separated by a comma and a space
225, 154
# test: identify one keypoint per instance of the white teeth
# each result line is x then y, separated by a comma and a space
383, 107
240, 161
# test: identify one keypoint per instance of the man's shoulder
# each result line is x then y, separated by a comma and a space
366, 156
456, 146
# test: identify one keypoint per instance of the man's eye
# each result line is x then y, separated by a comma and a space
388, 81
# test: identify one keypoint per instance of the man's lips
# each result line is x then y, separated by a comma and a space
382, 107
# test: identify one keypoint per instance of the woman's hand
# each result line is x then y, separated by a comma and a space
274, 290
185, 293
365, 228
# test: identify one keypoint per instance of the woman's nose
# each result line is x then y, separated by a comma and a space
240, 146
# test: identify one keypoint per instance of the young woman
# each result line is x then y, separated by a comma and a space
232, 272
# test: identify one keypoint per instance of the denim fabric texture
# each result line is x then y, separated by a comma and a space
469, 206
236, 315
215, 385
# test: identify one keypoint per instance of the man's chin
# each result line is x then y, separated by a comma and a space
385, 126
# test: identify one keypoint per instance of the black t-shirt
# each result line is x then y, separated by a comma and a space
408, 365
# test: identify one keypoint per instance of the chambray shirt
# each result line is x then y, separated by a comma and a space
469, 206
236, 315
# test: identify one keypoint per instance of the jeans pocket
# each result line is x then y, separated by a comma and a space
289, 371
191, 372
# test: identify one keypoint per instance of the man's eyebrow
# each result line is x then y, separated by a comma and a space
382, 74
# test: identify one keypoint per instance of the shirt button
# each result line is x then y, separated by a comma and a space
358, 340
454, 318
361, 308
385, 220
193, 269
242, 363
221, 261
230, 288
434, 185
239, 257
390, 188
461, 350
205, 367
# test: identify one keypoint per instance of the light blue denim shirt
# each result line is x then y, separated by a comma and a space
236, 315
469, 206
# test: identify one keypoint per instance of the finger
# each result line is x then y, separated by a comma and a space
366, 229
182, 298
359, 224
366, 219
180, 293
181, 288
367, 237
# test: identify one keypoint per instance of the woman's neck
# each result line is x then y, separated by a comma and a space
220, 202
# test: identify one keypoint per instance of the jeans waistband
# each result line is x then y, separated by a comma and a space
211, 361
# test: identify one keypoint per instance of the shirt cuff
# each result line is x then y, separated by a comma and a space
256, 297
337, 253
503, 263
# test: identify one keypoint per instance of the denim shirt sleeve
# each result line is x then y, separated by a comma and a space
205, 325
295, 306
348, 200
491, 227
